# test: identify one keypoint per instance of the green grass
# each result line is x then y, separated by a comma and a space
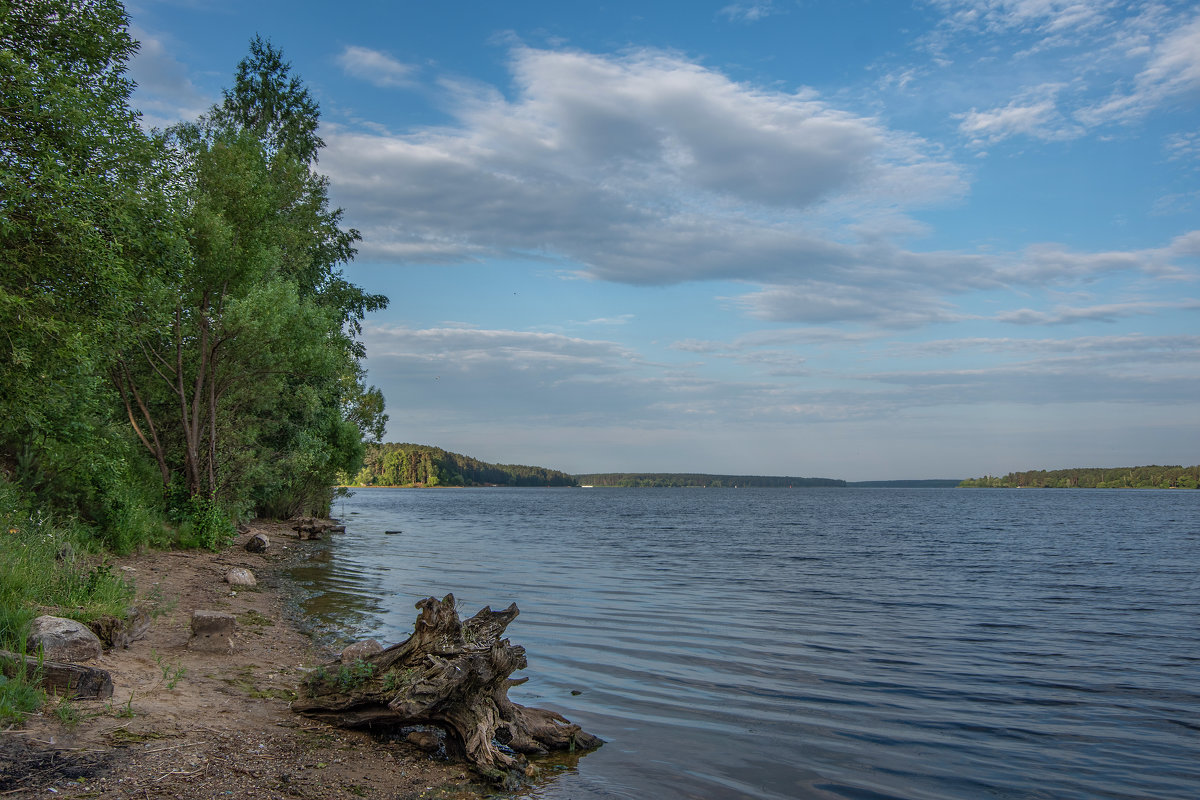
45, 568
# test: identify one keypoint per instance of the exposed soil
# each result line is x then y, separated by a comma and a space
188, 724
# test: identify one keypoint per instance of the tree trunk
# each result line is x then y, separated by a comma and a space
453, 675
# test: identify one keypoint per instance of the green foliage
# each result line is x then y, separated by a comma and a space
242, 375
40, 566
73, 164
682, 479
66, 712
177, 296
1147, 477
172, 674
351, 676
203, 524
346, 678
422, 465
18, 696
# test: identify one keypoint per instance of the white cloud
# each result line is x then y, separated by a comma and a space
1172, 69
165, 93
1093, 64
650, 169
1184, 146
1034, 114
749, 12
1049, 263
375, 67
1108, 312
644, 168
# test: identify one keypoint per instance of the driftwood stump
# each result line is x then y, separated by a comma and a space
453, 675
74, 681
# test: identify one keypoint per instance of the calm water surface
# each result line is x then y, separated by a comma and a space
817, 643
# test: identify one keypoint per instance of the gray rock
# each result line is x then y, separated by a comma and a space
63, 640
258, 543
240, 576
425, 740
362, 649
212, 631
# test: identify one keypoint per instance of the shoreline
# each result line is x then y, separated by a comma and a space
190, 724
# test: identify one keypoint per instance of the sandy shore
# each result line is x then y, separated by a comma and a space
187, 724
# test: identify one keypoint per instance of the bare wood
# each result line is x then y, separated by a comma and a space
68, 680
453, 675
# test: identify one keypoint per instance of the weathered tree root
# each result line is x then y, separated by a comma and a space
453, 675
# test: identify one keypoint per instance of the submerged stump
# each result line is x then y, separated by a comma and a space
454, 675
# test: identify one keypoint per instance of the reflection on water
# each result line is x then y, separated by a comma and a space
817, 643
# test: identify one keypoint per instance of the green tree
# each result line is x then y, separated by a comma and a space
242, 374
73, 162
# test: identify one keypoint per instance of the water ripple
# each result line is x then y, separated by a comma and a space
860, 644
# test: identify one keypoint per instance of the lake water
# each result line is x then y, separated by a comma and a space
817, 643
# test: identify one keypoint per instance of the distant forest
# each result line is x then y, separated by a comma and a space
422, 465
927, 483
1151, 477
687, 479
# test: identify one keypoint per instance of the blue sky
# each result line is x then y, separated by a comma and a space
860, 239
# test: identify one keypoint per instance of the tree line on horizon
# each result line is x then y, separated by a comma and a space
405, 464
179, 341
700, 480
1147, 477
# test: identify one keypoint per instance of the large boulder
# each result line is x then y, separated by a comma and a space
258, 543
62, 639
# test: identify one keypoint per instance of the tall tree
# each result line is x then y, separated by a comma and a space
242, 376
72, 159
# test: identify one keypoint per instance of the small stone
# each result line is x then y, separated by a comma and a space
240, 576
361, 649
425, 740
212, 631
258, 543
63, 640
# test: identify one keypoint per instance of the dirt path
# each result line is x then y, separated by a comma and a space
187, 724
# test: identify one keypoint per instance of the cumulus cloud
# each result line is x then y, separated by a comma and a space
375, 67
642, 168
650, 169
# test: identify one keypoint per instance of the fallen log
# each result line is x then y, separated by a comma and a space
453, 675
73, 681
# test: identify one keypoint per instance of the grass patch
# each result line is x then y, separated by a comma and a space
41, 566
122, 735
243, 681
18, 697
254, 618
45, 563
